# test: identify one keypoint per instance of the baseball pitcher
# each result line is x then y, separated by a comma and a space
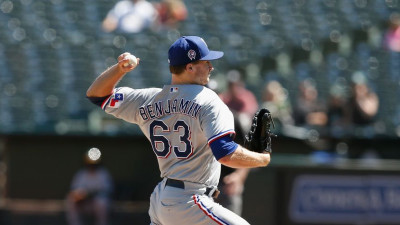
190, 130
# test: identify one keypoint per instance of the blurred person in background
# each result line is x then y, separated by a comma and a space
339, 118
130, 16
90, 193
171, 13
310, 118
275, 99
392, 35
240, 100
243, 105
309, 109
364, 104
353, 106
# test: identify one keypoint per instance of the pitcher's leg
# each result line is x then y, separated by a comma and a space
216, 212
199, 210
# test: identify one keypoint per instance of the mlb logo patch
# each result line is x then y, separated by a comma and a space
192, 54
116, 100
173, 89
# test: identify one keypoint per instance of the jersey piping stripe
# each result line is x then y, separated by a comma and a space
208, 211
213, 138
105, 103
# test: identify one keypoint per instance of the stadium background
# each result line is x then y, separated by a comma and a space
50, 52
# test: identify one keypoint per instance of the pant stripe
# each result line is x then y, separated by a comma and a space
207, 211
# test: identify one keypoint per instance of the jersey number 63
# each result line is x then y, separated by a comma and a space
183, 151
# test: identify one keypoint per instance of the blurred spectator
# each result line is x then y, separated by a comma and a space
392, 35
339, 121
338, 110
241, 101
171, 12
130, 16
364, 104
243, 105
90, 191
352, 105
309, 109
275, 99
350, 108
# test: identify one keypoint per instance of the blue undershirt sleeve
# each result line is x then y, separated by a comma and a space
223, 146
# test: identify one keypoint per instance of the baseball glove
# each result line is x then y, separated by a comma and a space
258, 138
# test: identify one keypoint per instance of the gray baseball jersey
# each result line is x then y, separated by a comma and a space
180, 121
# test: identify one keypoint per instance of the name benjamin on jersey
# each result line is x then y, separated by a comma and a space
161, 108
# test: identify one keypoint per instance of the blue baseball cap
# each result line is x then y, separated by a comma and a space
188, 49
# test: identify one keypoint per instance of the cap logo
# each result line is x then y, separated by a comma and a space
191, 54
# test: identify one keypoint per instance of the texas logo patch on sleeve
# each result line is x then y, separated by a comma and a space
116, 100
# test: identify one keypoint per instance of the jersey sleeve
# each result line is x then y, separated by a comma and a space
217, 120
124, 102
223, 146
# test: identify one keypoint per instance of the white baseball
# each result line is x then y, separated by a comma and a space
132, 60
